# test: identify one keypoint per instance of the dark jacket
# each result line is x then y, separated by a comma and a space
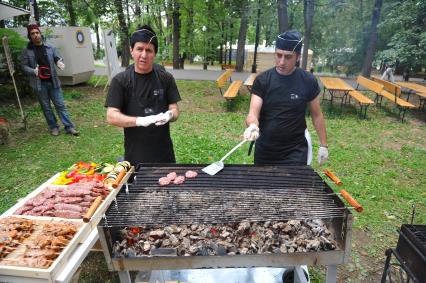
29, 63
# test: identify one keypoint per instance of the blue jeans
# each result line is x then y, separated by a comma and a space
49, 93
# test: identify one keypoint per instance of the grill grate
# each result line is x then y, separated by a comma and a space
238, 193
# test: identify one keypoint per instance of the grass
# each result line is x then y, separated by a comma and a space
381, 161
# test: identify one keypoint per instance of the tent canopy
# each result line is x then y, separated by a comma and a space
9, 11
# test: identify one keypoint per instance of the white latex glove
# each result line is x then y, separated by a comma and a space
146, 121
251, 133
36, 71
164, 118
60, 64
322, 155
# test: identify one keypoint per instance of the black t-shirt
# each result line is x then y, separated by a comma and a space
282, 117
42, 61
144, 95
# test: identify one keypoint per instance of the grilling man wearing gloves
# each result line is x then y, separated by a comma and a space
276, 119
38, 63
143, 100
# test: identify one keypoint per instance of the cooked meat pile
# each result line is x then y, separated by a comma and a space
13, 231
71, 202
39, 246
226, 239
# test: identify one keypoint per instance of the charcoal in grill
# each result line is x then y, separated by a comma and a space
230, 239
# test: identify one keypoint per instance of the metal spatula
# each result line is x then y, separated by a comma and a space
215, 167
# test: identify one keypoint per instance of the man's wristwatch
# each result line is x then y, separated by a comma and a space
326, 146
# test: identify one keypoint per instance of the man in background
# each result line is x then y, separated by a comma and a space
39, 61
388, 73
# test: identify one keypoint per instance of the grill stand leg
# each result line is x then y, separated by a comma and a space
157, 276
331, 276
124, 277
387, 264
299, 275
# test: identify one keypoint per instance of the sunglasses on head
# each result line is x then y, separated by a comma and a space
145, 30
298, 41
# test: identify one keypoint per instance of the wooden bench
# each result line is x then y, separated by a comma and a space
380, 92
233, 88
228, 66
249, 81
336, 85
362, 100
223, 78
389, 86
418, 76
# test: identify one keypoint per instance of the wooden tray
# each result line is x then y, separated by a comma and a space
58, 263
48, 184
84, 231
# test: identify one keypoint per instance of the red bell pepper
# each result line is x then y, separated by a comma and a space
72, 173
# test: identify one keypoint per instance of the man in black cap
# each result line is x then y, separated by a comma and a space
143, 100
276, 119
38, 63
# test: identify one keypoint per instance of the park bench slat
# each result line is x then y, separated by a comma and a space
361, 98
389, 86
233, 89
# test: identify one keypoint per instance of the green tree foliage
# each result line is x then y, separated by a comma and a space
403, 33
339, 38
16, 44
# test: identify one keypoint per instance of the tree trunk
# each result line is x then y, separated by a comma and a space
190, 36
223, 37
242, 37
36, 12
308, 15
176, 33
2, 24
282, 15
138, 11
70, 9
124, 34
231, 27
98, 41
169, 21
371, 49
127, 12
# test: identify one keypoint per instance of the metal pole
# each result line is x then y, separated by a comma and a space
205, 55
230, 43
254, 66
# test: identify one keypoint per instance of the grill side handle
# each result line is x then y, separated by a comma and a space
119, 178
333, 177
92, 209
353, 202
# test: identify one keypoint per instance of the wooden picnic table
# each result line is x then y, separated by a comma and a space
336, 88
420, 90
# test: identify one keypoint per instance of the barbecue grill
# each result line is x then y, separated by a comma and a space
410, 252
238, 193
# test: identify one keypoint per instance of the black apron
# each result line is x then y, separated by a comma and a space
150, 144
